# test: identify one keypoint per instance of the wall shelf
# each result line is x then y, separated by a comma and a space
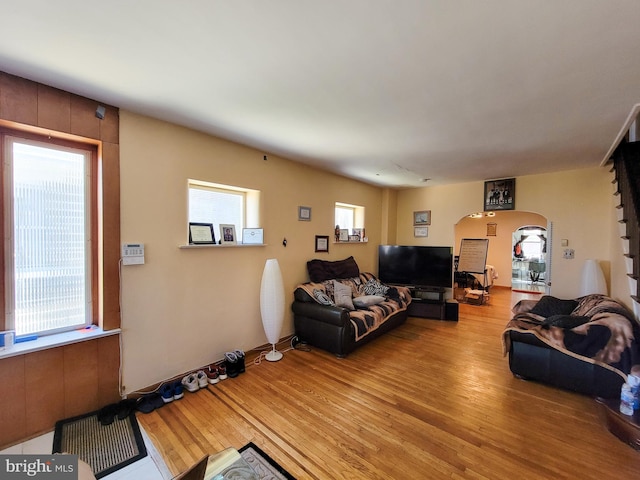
239, 245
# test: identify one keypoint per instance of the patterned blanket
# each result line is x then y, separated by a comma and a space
364, 319
599, 330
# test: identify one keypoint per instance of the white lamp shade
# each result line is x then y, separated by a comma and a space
272, 300
592, 279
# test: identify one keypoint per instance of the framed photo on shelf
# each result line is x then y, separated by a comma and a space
344, 235
358, 231
201, 233
500, 194
304, 214
322, 243
422, 217
252, 236
228, 234
420, 231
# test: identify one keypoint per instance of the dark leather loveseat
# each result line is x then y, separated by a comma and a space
587, 345
339, 329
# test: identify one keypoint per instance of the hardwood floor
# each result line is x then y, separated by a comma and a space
431, 399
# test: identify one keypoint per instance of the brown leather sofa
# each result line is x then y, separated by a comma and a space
331, 327
574, 344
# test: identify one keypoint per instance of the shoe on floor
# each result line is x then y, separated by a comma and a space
231, 362
222, 370
149, 403
240, 356
125, 407
107, 414
166, 392
212, 374
190, 382
178, 390
203, 381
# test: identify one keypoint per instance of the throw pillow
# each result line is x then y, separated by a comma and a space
322, 297
321, 270
367, 300
548, 306
374, 287
565, 321
342, 296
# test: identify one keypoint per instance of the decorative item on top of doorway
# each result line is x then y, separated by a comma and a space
500, 194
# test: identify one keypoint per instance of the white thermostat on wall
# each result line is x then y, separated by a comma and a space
133, 253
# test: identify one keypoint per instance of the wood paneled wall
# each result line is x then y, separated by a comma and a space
43, 387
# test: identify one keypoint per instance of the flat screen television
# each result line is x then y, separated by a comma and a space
417, 266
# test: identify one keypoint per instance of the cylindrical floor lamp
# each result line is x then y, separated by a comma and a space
592, 279
272, 305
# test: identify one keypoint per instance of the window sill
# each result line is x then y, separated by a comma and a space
351, 243
56, 340
227, 245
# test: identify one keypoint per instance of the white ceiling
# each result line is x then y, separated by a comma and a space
386, 92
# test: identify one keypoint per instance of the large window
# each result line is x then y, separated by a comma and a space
223, 204
47, 209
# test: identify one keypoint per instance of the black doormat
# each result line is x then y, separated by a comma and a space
265, 466
106, 448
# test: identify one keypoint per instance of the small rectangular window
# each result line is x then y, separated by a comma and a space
223, 204
349, 216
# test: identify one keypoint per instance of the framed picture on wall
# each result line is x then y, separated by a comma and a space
420, 231
322, 243
422, 217
252, 236
304, 214
500, 194
227, 234
201, 233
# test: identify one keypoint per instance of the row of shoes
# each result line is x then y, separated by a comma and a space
231, 367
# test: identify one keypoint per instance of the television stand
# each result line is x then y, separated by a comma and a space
430, 303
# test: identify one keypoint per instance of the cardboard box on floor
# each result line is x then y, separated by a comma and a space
475, 297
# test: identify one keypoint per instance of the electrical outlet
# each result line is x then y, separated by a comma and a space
569, 253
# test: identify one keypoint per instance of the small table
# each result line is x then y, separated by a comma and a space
625, 427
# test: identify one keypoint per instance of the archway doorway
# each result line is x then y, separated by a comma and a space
499, 227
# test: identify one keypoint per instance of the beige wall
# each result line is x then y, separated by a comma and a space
500, 252
578, 203
184, 308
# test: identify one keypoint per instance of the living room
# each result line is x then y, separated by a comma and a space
184, 308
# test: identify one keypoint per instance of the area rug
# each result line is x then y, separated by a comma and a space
265, 466
106, 448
